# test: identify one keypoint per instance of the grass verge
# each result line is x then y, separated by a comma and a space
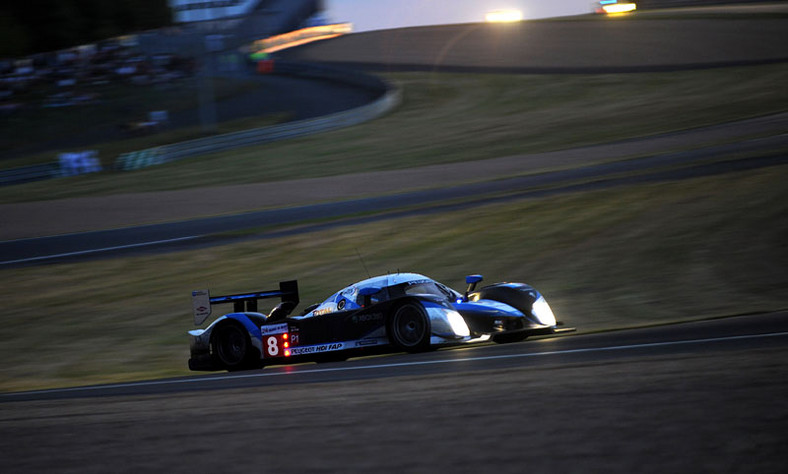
613, 258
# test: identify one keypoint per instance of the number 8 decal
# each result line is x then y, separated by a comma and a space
273, 346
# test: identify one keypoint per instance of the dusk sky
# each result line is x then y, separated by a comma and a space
374, 15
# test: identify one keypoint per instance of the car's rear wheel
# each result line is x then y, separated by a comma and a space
409, 328
232, 347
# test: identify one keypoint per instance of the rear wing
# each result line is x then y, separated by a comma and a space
202, 300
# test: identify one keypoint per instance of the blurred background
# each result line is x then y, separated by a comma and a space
627, 159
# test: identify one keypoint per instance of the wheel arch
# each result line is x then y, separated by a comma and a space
251, 329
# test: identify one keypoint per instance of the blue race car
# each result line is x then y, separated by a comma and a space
402, 312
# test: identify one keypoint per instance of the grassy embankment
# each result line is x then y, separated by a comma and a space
622, 257
630, 256
451, 118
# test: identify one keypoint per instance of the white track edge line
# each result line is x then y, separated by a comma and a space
106, 249
380, 366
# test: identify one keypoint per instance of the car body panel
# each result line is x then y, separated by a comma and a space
354, 320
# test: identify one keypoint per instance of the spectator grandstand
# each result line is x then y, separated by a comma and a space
75, 75
243, 21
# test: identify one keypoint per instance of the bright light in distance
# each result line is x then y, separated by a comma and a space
284, 336
287, 353
619, 8
504, 16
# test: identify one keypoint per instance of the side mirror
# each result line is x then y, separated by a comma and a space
472, 280
367, 294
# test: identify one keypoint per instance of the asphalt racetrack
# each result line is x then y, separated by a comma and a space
698, 397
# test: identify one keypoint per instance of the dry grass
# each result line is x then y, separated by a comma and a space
620, 257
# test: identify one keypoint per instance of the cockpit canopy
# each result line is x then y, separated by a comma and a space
388, 287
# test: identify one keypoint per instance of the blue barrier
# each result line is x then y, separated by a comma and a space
27, 174
138, 159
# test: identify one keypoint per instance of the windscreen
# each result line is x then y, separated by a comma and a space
430, 288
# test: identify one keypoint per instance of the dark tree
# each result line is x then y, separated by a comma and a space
33, 26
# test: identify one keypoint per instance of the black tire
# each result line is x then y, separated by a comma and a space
510, 337
408, 327
233, 348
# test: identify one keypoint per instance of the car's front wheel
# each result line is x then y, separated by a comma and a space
409, 328
232, 347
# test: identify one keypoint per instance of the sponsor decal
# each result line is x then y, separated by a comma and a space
418, 282
363, 318
201, 306
273, 329
325, 308
366, 342
317, 349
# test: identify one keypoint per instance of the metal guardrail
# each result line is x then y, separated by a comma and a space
224, 142
27, 174
390, 98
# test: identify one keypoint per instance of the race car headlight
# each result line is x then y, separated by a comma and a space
542, 312
457, 324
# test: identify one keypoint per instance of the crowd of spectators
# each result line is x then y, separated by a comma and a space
76, 76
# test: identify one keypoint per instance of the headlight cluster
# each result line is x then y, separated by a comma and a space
457, 323
542, 312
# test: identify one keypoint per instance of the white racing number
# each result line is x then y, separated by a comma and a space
272, 346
